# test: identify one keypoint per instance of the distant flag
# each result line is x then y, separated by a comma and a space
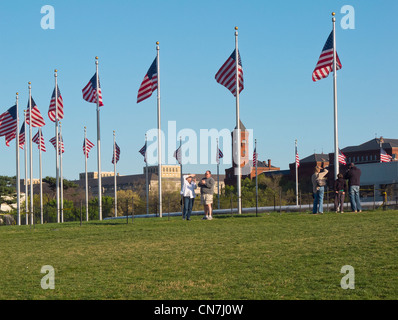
89, 146
384, 156
255, 157
60, 144
297, 159
149, 84
39, 140
178, 155
325, 62
117, 154
37, 119
51, 111
220, 155
342, 158
143, 152
90, 91
8, 124
22, 136
226, 76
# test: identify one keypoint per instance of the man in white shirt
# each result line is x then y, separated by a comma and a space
188, 195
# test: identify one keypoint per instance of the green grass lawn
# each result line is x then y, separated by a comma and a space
270, 257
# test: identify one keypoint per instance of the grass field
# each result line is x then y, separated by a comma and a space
273, 256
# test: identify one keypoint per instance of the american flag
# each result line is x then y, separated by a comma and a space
297, 159
37, 119
90, 91
325, 62
255, 158
8, 124
61, 146
220, 155
143, 152
117, 154
178, 155
51, 110
22, 136
226, 76
384, 156
89, 146
39, 140
342, 158
149, 84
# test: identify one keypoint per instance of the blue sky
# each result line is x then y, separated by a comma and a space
279, 42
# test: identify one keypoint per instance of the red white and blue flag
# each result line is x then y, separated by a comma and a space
226, 76
384, 156
39, 140
117, 152
8, 124
22, 136
342, 158
220, 155
149, 84
297, 159
61, 146
60, 105
178, 155
255, 155
87, 146
37, 119
143, 152
90, 91
325, 62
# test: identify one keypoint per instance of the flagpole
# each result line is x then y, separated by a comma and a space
255, 148
61, 176
41, 179
56, 143
85, 160
159, 134
146, 178
238, 144
181, 178
18, 183
336, 140
30, 153
26, 172
99, 148
218, 175
114, 167
295, 161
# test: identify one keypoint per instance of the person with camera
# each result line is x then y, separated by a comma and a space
188, 195
353, 175
318, 188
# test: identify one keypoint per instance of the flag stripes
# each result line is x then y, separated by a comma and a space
117, 154
89, 145
149, 84
143, 152
219, 156
325, 62
8, 122
37, 119
178, 155
60, 105
61, 146
22, 136
226, 76
90, 91
384, 156
39, 140
255, 155
342, 158
297, 159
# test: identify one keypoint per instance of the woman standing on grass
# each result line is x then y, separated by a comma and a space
318, 188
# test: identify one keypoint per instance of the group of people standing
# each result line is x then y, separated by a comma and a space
353, 175
188, 195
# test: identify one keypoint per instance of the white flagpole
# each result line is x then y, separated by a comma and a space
218, 174
238, 143
26, 171
114, 167
295, 161
181, 178
41, 179
30, 154
336, 139
61, 176
255, 148
146, 178
85, 160
56, 143
159, 135
99, 148
18, 182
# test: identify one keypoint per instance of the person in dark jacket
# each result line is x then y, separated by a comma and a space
353, 175
340, 188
